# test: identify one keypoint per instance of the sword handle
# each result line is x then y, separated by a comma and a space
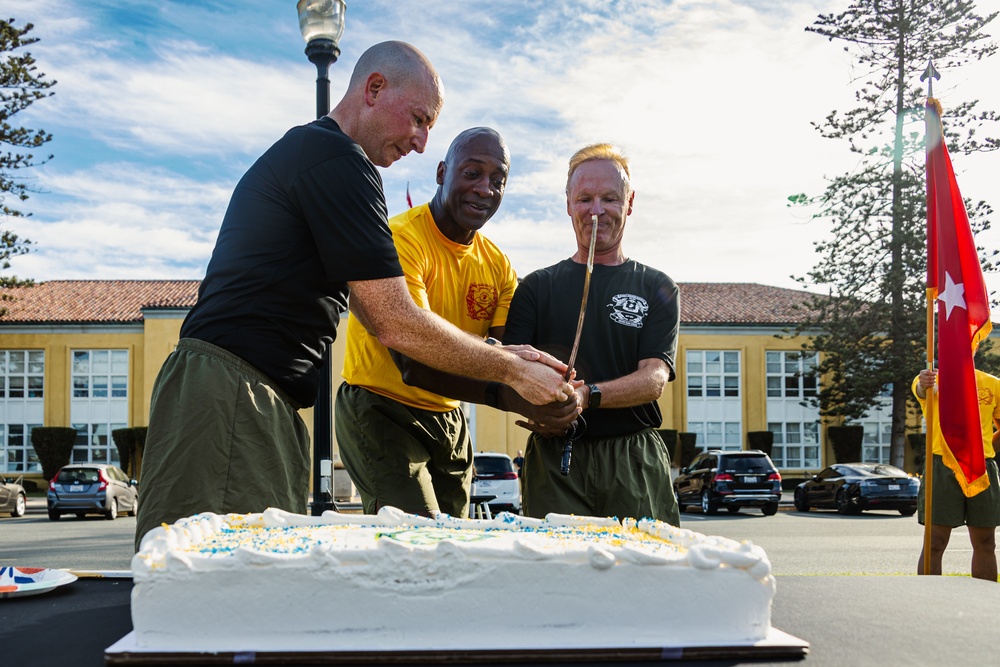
567, 455
567, 458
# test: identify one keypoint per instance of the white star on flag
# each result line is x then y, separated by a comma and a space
953, 295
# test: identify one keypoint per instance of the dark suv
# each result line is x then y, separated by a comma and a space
729, 479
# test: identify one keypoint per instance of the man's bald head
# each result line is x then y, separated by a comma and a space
397, 61
393, 99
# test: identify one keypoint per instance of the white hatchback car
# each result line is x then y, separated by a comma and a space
494, 475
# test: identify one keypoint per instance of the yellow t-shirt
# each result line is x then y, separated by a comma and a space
989, 410
468, 285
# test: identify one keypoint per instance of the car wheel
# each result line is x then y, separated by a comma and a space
909, 511
733, 509
53, 515
135, 508
19, 506
708, 506
844, 503
677, 494
112, 512
770, 509
800, 501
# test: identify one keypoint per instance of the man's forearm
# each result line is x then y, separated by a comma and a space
645, 385
457, 387
400, 325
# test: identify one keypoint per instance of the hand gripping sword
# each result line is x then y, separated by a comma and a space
567, 455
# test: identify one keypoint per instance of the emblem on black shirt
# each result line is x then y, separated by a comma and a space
628, 309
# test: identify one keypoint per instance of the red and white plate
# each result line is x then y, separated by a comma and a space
21, 581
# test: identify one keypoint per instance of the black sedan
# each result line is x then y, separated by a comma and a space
850, 488
13, 499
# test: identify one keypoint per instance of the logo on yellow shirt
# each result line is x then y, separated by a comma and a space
481, 301
985, 396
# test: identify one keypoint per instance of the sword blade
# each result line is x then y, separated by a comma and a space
583, 301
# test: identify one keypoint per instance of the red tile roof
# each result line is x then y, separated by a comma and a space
122, 301
742, 303
94, 301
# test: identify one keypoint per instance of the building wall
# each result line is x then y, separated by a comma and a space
152, 341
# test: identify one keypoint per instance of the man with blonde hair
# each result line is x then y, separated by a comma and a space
620, 465
305, 226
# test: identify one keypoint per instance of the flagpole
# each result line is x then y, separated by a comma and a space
928, 481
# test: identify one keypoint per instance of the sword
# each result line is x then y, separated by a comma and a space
567, 455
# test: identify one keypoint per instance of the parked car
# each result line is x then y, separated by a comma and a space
494, 475
732, 480
851, 488
92, 488
13, 498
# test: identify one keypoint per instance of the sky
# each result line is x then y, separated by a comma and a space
160, 107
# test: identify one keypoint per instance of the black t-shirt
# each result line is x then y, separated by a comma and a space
306, 218
632, 314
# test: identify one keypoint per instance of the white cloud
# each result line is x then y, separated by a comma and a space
123, 221
712, 99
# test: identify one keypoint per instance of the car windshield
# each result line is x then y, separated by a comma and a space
78, 476
493, 465
745, 464
891, 471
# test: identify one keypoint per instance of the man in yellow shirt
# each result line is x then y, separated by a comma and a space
949, 505
403, 438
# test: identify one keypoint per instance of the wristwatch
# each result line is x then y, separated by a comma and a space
595, 396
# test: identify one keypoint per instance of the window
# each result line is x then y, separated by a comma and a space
796, 445
713, 373
877, 423
790, 415
99, 403
22, 393
94, 371
790, 375
714, 404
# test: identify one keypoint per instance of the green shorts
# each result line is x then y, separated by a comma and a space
222, 438
949, 505
416, 460
621, 476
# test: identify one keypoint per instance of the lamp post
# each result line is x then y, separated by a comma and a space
322, 25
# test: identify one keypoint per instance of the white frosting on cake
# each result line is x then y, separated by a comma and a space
286, 582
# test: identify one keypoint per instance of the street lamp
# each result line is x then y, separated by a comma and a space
322, 25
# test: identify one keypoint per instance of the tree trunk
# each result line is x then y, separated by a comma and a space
898, 333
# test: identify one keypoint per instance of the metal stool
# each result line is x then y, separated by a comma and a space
479, 507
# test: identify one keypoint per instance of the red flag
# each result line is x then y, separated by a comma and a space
409, 202
956, 278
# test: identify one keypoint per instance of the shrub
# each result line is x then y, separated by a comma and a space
129, 441
671, 440
689, 448
762, 440
918, 443
54, 446
846, 441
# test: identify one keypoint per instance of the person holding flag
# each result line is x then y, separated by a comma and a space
951, 506
960, 403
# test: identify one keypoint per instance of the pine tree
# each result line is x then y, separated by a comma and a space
872, 318
20, 87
